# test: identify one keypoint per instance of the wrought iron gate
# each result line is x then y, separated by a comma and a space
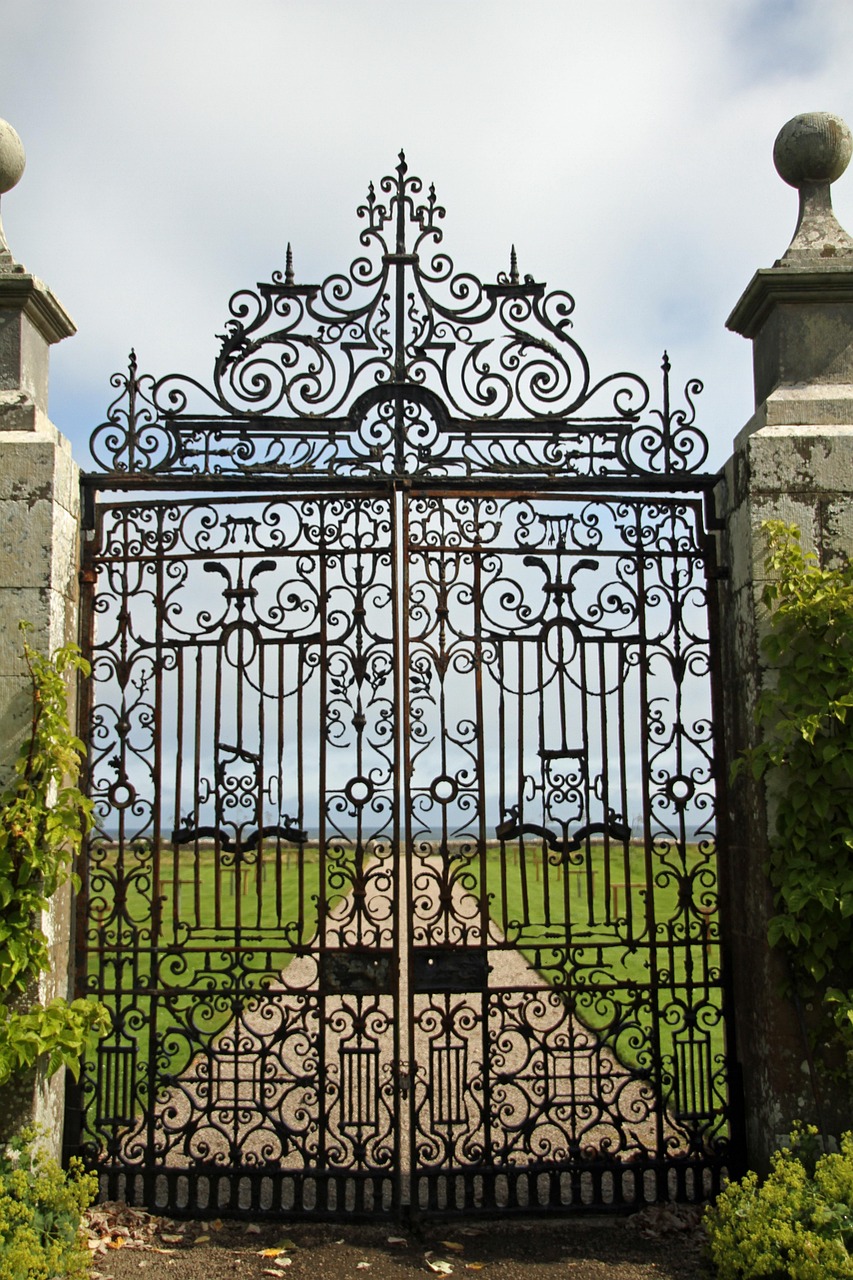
402, 891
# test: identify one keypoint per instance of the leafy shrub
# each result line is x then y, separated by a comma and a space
43, 817
40, 1211
806, 753
796, 1225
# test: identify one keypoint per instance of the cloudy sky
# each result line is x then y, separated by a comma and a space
624, 146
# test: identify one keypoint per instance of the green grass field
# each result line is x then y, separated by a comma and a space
194, 947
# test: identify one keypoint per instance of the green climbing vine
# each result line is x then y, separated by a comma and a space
806, 755
43, 817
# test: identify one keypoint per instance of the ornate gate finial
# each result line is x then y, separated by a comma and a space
400, 366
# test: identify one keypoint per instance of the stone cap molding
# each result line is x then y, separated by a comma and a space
23, 293
770, 286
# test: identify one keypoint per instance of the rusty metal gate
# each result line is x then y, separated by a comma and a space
402, 891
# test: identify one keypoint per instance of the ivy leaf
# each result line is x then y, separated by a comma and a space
805, 757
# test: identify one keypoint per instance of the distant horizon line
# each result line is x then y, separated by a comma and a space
313, 838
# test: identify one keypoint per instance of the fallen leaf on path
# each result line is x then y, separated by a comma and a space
397, 1240
474, 1266
454, 1245
362, 1266
252, 1229
201, 1240
665, 1219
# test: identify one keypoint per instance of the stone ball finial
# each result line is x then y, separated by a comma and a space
810, 152
12, 157
814, 147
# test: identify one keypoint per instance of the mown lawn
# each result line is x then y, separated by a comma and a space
633, 945
633, 962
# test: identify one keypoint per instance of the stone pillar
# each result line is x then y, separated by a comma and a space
792, 461
39, 537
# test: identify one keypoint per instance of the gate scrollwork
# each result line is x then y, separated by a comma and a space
401, 366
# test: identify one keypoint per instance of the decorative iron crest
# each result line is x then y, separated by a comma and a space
403, 366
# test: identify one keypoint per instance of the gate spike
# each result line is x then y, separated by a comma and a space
288, 265
513, 266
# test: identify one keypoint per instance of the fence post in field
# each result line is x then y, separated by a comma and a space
39, 535
792, 461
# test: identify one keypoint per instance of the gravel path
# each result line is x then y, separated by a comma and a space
215, 1102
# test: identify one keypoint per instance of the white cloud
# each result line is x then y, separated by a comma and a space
626, 149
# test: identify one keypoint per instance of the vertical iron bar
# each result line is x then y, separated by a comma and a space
405, 1111
651, 912
300, 790
74, 1114
588, 788
280, 722
735, 1107
323, 904
605, 779
197, 866
262, 780
477, 596
217, 782
621, 681
519, 766
156, 819
179, 765
502, 797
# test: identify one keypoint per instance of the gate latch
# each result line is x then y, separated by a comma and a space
404, 1079
356, 971
437, 969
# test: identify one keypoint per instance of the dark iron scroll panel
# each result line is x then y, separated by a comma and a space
561, 853
403, 888
241, 887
